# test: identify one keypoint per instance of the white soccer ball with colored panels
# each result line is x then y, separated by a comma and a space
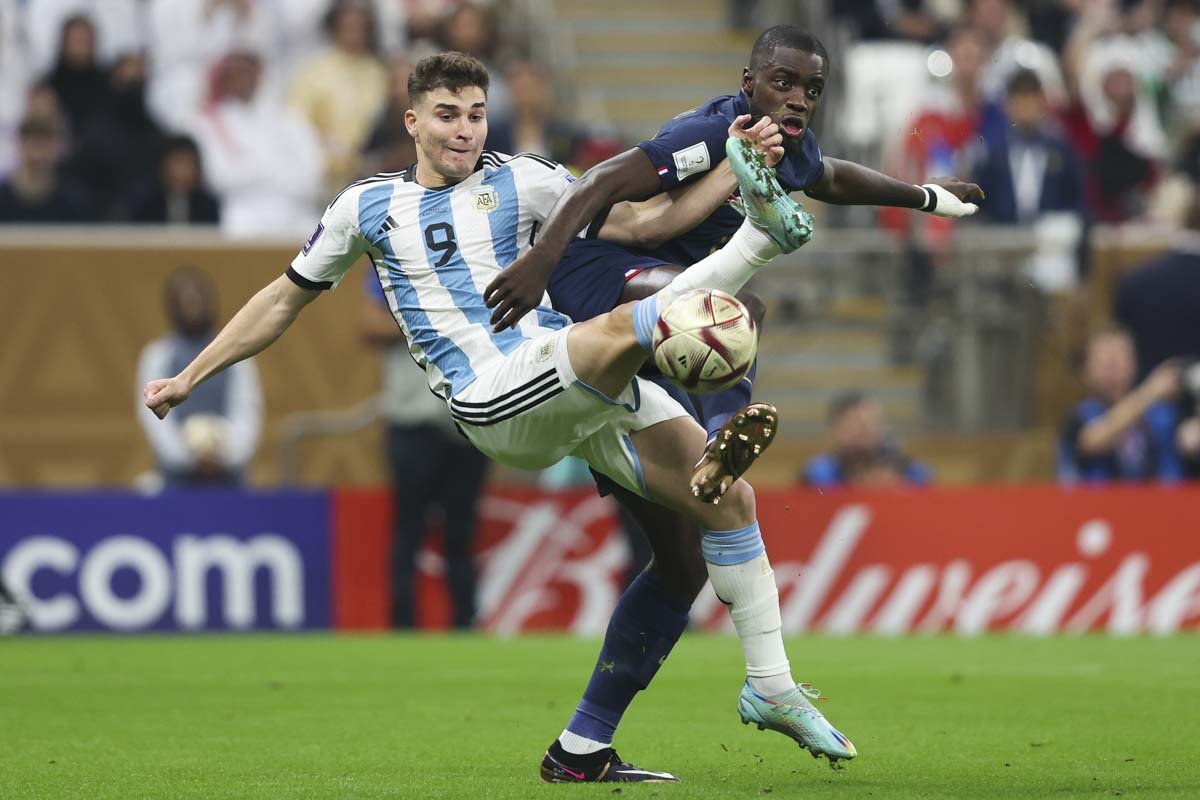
705, 341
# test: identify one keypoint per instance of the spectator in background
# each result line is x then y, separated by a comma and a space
213, 441
342, 90
435, 470
861, 452
119, 145
422, 18
390, 147
910, 20
1112, 122
1121, 432
81, 84
530, 127
1031, 177
943, 131
1157, 303
470, 29
1172, 51
117, 24
187, 40
15, 76
35, 191
996, 21
1027, 168
262, 159
175, 194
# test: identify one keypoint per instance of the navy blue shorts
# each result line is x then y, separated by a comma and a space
587, 283
589, 279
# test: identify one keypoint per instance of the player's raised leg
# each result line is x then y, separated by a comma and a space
739, 430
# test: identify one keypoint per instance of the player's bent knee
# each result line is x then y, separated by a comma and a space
738, 503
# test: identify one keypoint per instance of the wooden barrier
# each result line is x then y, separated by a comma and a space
76, 315
81, 304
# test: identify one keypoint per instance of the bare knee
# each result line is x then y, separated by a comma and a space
736, 509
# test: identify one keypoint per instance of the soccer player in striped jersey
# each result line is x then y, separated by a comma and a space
526, 397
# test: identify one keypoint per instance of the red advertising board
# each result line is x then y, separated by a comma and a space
1036, 560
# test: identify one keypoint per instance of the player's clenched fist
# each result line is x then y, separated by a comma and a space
164, 394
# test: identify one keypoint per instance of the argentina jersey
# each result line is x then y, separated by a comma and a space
435, 251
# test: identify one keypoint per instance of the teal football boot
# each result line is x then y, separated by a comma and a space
764, 201
791, 714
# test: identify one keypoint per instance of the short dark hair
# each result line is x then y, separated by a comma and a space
790, 36
454, 71
845, 401
1024, 81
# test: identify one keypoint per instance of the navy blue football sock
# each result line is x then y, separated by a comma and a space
648, 621
718, 407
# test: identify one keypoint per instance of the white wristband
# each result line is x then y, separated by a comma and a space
941, 202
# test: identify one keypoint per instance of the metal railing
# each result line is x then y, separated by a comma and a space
968, 314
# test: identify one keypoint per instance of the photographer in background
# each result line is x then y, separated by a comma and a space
1157, 302
1121, 432
861, 452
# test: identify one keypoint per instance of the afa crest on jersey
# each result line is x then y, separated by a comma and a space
487, 199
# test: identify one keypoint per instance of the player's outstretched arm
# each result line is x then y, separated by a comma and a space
261, 321
847, 183
665, 216
519, 287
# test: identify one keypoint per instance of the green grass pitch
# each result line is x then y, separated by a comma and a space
325, 716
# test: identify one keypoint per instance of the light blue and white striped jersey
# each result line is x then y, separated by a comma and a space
435, 251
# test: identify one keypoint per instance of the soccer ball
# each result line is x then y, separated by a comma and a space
705, 341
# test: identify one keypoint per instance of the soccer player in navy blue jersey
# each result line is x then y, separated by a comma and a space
784, 81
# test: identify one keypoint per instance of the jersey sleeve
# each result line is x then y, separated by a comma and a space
333, 247
690, 144
1071, 466
542, 183
810, 166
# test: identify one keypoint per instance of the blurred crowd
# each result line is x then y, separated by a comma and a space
1068, 113
250, 113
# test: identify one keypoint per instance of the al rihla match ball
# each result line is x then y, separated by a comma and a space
705, 341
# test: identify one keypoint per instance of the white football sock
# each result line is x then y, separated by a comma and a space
728, 269
748, 589
580, 745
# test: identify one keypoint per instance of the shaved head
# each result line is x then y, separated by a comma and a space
789, 36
